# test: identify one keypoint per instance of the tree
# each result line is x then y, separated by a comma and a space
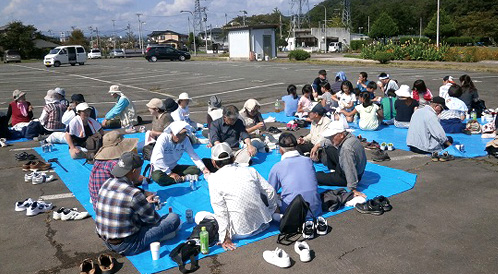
20, 37
446, 26
190, 42
77, 38
383, 27
479, 24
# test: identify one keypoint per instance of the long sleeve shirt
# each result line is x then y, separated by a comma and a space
235, 194
166, 153
119, 107
352, 160
315, 135
232, 134
425, 131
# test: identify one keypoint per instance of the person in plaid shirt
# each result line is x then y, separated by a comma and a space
106, 158
125, 216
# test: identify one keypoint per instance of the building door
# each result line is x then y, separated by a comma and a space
267, 46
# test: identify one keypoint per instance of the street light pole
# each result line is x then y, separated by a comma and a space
193, 26
139, 31
437, 26
325, 26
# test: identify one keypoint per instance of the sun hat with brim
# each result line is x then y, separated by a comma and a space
170, 105
333, 128
183, 96
440, 100
114, 89
18, 94
214, 102
50, 97
82, 107
60, 91
127, 162
456, 104
251, 104
403, 91
219, 149
114, 145
155, 103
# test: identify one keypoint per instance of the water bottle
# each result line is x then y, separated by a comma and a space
145, 184
277, 106
204, 237
355, 120
192, 184
473, 114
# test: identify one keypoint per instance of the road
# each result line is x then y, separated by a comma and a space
446, 224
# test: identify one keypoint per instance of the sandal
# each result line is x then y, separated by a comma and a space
446, 157
435, 156
23, 156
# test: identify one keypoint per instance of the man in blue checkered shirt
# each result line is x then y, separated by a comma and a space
126, 219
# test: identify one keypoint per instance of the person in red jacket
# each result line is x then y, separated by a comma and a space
20, 110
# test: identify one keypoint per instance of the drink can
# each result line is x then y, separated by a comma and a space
462, 147
157, 201
189, 215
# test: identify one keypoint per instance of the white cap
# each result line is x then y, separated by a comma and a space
333, 128
184, 96
220, 148
201, 215
114, 89
403, 91
82, 106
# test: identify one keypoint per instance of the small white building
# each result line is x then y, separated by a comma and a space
252, 42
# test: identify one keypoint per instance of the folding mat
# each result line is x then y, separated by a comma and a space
377, 180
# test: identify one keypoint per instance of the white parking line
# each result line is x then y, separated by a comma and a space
235, 90
209, 83
57, 196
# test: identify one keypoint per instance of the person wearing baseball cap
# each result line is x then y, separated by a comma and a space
237, 194
425, 134
311, 143
161, 119
346, 156
125, 216
80, 129
122, 113
20, 110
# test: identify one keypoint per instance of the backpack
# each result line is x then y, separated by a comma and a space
92, 144
147, 151
293, 219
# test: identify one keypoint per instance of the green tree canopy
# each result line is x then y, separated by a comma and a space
383, 27
19, 37
446, 26
77, 38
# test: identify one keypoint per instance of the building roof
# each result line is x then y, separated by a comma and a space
251, 27
41, 44
163, 32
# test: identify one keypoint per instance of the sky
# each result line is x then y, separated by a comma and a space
54, 16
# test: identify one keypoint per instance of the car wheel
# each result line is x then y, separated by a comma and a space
57, 64
73, 64
182, 58
153, 58
81, 64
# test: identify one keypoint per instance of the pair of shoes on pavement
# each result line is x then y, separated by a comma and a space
372, 145
33, 208
444, 157
38, 178
68, 214
105, 264
380, 156
281, 259
376, 206
36, 166
311, 229
387, 146
23, 156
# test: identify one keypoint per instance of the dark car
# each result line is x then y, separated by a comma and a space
161, 52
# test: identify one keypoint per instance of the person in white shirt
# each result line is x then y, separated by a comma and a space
443, 90
242, 200
386, 84
169, 148
182, 113
346, 98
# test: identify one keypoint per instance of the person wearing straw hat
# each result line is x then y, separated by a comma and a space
183, 112
122, 113
125, 216
20, 110
405, 106
169, 148
114, 145
80, 129
51, 116
161, 117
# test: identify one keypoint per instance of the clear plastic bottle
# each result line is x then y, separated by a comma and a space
473, 114
204, 238
277, 106
145, 184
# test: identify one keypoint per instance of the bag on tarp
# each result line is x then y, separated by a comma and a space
293, 219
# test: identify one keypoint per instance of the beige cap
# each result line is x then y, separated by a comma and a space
155, 103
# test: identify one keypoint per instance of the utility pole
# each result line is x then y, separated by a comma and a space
91, 35
114, 33
98, 38
243, 17
140, 32
280, 25
368, 25
205, 29
193, 26
226, 19
420, 34
324, 26
437, 26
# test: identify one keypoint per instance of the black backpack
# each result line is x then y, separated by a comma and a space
292, 221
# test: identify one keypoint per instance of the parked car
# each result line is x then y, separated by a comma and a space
154, 53
95, 54
117, 53
65, 55
11, 55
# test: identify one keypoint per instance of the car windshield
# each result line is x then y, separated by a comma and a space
54, 51
13, 52
95, 50
118, 51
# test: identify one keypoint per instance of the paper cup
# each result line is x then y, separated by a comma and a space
154, 250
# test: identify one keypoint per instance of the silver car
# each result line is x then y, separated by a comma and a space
117, 53
11, 56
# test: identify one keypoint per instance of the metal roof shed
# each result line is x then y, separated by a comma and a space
245, 40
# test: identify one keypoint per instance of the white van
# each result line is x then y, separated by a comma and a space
335, 47
65, 55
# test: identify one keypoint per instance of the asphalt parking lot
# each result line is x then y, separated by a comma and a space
446, 224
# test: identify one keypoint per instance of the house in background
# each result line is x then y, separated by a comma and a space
216, 37
168, 37
319, 39
252, 42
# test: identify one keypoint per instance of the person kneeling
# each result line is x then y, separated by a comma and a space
169, 148
125, 216
80, 129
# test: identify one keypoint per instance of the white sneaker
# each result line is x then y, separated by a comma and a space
322, 226
38, 207
277, 257
58, 213
21, 206
41, 178
309, 230
28, 177
3, 142
303, 249
73, 214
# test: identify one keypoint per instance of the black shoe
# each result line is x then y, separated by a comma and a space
384, 202
380, 156
274, 130
370, 207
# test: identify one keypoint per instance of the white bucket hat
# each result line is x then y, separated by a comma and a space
51, 96
82, 107
183, 96
114, 89
403, 91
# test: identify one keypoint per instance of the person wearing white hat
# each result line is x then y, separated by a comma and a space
168, 150
242, 200
80, 129
20, 110
122, 113
451, 119
405, 106
346, 156
182, 113
51, 116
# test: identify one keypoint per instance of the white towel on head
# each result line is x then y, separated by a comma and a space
177, 126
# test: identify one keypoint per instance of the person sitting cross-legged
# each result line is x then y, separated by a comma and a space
346, 159
295, 174
80, 129
125, 216
313, 141
169, 148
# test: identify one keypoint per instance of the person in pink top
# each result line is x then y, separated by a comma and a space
421, 93
20, 110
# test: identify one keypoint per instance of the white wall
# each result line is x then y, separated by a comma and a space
239, 46
257, 39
